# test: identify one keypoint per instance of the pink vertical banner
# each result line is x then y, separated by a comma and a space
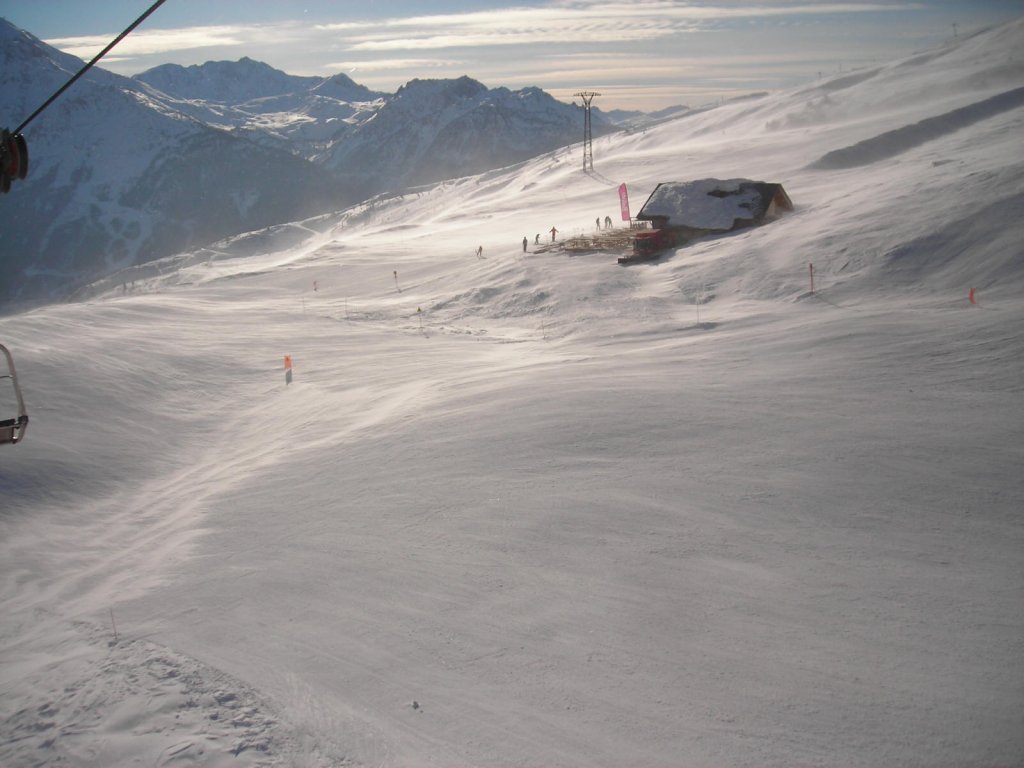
624, 202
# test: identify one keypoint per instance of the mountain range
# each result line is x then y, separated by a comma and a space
125, 170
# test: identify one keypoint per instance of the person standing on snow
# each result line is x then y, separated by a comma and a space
553, 233
525, 243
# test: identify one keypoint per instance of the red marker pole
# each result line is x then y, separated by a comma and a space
970, 297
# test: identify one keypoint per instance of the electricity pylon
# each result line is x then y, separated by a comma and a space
588, 142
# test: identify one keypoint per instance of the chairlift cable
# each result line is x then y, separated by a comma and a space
89, 66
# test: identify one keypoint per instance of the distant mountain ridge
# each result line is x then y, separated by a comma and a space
118, 176
126, 170
300, 115
437, 129
427, 131
225, 82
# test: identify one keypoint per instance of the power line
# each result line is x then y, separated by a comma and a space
89, 66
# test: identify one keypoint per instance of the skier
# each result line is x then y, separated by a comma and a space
607, 222
553, 233
536, 240
525, 243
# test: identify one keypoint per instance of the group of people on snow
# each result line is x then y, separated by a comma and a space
553, 231
536, 238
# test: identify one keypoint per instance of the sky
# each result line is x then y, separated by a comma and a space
646, 54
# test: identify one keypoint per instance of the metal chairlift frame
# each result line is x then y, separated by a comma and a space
13, 430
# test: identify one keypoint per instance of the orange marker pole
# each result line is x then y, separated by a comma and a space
287, 369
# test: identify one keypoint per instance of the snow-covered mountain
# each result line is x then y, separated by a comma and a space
132, 169
119, 176
301, 115
536, 508
441, 129
225, 82
427, 131
631, 119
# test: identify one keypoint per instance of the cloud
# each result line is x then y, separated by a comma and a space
390, 65
154, 41
649, 43
483, 39
566, 21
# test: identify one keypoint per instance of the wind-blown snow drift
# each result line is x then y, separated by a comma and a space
534, 509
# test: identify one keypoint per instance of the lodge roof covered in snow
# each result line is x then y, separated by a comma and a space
714, 205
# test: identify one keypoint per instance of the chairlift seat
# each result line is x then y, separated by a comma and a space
13, 430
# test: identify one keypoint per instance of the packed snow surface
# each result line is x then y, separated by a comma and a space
533, 509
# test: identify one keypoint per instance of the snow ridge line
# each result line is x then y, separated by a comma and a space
896, 142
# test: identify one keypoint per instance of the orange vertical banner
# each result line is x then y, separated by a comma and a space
970, 297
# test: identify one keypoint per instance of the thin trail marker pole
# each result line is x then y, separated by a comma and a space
113, 624
287, 369
396, 281
811, 267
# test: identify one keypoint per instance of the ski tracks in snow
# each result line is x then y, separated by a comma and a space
118, 699
97, 695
